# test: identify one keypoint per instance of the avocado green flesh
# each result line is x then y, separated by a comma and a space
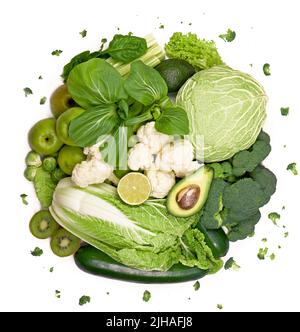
202, 178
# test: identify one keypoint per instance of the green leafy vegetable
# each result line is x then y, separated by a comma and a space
145, 237
146, 296
262, 253
95, 83
196, 285
201, 54
43, 100
229, 36
173, 121
94, 124
27, 91
57, 52
24, 199
284, 111
231, 264
84, 300
126, 48
293, 168
44, 187
145, 84
83, 33
37, 252
266, 69
226, 107
274, 217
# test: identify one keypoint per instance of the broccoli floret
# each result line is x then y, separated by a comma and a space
292, 167
231, 264
248, 160
222, 170
274, 217
243, 228
266, 179
211, 218
244, 198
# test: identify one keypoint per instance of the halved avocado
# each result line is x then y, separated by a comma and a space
189, 195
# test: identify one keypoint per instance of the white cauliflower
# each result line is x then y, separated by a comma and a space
178, 157
93, 170
161, 183
155, 140
140, 157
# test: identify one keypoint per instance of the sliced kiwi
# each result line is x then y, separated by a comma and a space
42, 225
64, 244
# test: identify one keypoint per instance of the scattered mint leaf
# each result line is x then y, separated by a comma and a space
292, 167
83, 33
262, 253
272, 256
283, 208
146, 296
84, 300
161, 26
27, 91
231, 264
57, 294
274, 217
43, 100
190, 24
37, 252
24, 200
286, 234
107, 293
219, 306
279, 247
229, 36
51, 269
57, 52
267, 69
196, 285
40, 77
264, 240
284, 111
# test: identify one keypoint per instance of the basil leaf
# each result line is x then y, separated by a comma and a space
95, 82
173, 121
126, 48
88, 128
145, 84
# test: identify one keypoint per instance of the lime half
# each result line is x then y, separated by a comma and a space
134, 188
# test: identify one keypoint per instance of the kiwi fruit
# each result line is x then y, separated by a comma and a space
64, 244
42, 225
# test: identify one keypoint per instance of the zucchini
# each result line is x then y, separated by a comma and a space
216, 239
94, 261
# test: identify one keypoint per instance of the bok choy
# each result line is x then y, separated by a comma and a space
144, 237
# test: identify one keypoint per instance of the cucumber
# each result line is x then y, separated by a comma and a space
175, 72
216, 239
94, 261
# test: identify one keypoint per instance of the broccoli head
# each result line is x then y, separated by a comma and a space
248, 160
211, 217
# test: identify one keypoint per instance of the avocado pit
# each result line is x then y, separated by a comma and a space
188, 197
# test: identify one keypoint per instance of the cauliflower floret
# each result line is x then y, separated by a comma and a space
161, 183
93, 170
140, 157
178, 157
155, 140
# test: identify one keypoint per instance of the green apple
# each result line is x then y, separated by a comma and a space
68, 157
63, 123
61, 100
43, 139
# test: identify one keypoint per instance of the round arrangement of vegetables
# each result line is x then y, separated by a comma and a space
152, 162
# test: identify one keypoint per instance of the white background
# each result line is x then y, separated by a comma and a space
267, 31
